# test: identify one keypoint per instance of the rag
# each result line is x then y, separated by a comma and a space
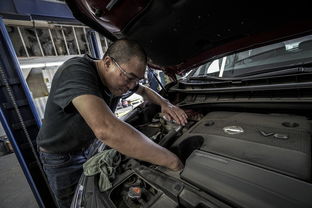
104, 163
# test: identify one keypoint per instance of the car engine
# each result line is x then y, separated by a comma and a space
231, 158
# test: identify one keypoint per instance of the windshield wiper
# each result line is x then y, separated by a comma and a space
209, 77
256, 74
275, 72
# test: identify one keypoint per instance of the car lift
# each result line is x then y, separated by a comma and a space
19, 117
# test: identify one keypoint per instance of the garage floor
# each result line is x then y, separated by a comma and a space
14, 189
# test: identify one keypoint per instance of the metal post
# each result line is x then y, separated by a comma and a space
39, 42
85, 33
99, 44
76, 40
23, 42
65, 40
106, 44
95, 50
54, 47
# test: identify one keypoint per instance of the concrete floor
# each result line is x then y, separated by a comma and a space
14, 189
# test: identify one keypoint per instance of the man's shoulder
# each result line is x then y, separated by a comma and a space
83, 60
78, 64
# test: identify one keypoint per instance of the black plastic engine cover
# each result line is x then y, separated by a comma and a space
281, 143
245, 185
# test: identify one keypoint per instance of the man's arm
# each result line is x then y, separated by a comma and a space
172, 112
120, 135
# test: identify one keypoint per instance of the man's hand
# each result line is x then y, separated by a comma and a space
177, 165
173, 162
172, 112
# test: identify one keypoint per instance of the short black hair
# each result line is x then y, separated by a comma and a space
123, 50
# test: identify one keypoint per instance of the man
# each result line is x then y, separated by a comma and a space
80, 107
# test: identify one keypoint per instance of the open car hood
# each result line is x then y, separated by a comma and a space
181, 34
247, 142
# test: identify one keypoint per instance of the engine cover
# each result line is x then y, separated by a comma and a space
281, 143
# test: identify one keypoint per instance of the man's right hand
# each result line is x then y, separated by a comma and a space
175, 164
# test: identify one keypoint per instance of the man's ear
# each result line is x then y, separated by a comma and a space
106, 63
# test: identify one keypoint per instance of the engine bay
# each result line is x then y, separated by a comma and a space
232, 159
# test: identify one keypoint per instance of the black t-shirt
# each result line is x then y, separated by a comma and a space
63, 129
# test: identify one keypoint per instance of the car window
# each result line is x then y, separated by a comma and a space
282, 54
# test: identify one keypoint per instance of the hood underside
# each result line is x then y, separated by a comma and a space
181, 34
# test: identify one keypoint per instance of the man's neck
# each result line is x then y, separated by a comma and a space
100, 71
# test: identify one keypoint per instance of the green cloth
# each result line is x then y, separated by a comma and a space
104, 163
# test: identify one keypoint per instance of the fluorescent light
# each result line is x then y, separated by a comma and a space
41, 65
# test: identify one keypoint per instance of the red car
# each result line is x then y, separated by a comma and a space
248, 95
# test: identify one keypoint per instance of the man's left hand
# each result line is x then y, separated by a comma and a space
172, 112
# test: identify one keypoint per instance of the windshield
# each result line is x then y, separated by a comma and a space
263, 59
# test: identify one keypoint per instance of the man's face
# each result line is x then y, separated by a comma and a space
122, 77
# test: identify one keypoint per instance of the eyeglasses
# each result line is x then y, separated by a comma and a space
131, 78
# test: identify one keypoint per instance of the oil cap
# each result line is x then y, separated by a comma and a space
135, 192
